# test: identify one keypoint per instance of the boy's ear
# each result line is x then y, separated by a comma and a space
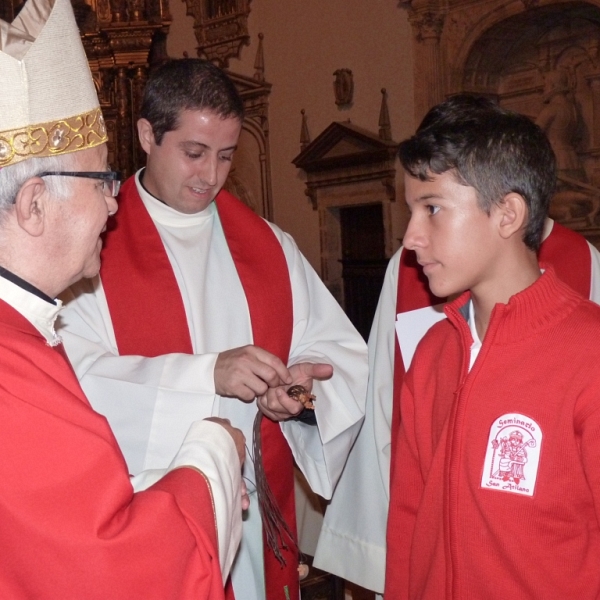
145, 134
30, 206
512, 213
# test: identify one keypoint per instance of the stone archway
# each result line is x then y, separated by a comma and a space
545, 63
539, 58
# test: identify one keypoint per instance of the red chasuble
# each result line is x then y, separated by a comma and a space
139, 282
70, 525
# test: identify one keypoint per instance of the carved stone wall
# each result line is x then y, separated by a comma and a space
539, 57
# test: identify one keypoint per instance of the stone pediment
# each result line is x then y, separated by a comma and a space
249, 86
343, 144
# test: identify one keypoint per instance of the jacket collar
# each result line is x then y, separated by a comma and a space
527, 313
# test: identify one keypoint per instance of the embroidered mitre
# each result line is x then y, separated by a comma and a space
48, 104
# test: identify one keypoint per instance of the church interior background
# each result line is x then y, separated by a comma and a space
331, 87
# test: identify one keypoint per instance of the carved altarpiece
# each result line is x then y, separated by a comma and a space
538, 57
124, 40
118, 36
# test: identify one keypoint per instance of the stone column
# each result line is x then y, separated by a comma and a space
429, 75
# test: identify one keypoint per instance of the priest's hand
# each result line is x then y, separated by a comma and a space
277, 405
248, 372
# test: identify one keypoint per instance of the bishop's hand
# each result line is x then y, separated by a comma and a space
240, 445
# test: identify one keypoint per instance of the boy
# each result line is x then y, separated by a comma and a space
495, 480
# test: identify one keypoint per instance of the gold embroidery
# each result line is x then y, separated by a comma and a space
49, 139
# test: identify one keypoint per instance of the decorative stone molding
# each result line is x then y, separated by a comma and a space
427, 25
255, 93
349, 169
343, 87
221, 28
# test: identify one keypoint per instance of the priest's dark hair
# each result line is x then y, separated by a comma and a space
492, 149
188, 84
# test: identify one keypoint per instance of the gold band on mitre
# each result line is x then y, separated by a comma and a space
50, 139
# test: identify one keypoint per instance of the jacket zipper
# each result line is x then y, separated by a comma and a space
454, 444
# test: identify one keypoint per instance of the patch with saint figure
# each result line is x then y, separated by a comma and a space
512, 456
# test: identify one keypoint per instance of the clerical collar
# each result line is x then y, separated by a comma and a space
25, 285
140, 180
38, 308
162, 213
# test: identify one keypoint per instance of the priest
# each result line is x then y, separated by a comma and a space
203, 308
71, 524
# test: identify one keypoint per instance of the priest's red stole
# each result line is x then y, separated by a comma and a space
139, 284
413, 293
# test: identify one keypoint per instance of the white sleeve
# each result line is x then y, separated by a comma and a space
159, 391
209, 448
323, 333
353, 538
595, 275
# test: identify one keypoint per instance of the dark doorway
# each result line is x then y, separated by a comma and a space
363, 262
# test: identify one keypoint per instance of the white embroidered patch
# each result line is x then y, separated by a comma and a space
512, 455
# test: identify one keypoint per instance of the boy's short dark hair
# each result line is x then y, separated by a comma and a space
188, 84
494, 150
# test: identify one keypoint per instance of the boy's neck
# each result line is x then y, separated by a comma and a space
515, 278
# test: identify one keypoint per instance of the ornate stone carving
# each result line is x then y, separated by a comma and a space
560, 119
118, 9
515, 52
427, 25
221, 28
343, 87
259, 61
103, 12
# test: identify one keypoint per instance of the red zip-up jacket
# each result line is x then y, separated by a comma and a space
496, 488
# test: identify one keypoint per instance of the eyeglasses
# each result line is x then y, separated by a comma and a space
111, 180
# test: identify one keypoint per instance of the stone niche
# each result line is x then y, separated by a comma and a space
536, 57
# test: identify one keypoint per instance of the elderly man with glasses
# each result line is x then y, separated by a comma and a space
73, 524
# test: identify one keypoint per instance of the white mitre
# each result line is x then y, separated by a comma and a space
48, 103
